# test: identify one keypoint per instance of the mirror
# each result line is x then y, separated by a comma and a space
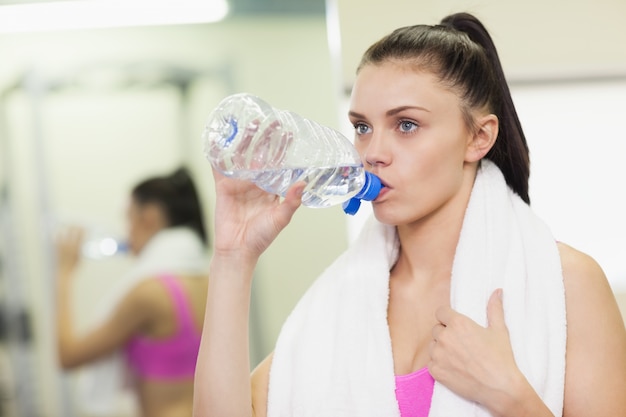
86, 114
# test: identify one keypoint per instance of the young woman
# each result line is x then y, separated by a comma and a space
155, 321
455, 300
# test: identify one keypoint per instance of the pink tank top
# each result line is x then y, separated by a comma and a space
414, 392
167, 359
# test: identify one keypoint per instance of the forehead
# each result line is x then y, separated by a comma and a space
390, 84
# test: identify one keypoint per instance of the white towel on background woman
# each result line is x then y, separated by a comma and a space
333, 357
176, 250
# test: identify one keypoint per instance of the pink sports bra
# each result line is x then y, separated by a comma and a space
167, 359
414, 392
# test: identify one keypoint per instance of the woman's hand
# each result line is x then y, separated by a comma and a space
248, 219
477, 362
68, 247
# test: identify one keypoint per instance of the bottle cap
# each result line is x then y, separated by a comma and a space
371, 187
351, 206
370, 190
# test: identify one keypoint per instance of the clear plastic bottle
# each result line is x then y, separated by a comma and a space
99, 245
246, 138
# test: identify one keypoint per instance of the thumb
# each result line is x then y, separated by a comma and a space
495, 310
293, 200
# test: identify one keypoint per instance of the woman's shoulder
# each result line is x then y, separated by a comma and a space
152, 291
148, 294
596, 339
147, 287
577, 265
587, 288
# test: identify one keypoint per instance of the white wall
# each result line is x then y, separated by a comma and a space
535, 38
578, 176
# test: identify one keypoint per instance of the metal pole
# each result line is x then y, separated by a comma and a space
22, 393
36, 89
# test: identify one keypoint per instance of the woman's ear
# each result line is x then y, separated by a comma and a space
483, 139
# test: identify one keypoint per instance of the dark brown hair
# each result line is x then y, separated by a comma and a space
176, 194
461, 53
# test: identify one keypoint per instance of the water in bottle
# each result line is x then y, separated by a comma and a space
99, 245
103, 248
248, 139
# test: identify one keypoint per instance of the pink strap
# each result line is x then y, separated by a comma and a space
180, 304
414, 393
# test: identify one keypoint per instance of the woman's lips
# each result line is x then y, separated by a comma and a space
382, 192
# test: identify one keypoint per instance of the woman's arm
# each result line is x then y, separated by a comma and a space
595, 376
130, 315
247, 220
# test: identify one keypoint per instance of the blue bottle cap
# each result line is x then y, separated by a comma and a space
370, 190
371, 187
351, 206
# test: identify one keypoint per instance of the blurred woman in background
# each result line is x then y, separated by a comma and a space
149, 329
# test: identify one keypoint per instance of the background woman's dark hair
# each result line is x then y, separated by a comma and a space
460, 52
177, 195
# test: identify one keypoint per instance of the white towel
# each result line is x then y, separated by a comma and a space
333, 356
103, 384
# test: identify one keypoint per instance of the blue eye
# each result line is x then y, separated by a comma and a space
361, 129
407, 126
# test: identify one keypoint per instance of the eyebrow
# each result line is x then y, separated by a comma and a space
355, 115
391, 112
402, 108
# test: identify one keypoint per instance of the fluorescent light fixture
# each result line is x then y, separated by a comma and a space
91, 14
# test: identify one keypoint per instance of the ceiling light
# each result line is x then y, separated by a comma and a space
91, 14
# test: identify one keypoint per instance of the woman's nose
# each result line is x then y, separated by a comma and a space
377, 152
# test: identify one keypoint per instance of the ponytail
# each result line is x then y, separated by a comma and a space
510, 152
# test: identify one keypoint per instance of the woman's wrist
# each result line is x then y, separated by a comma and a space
521, 400
65, 271
235, 265
64, 275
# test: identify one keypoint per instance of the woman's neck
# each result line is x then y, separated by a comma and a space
428, 246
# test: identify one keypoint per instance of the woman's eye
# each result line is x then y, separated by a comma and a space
407, 126
361, 128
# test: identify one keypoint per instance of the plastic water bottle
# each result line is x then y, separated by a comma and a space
100, 246
246, 138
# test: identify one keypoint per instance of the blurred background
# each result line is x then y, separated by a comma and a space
86, 112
